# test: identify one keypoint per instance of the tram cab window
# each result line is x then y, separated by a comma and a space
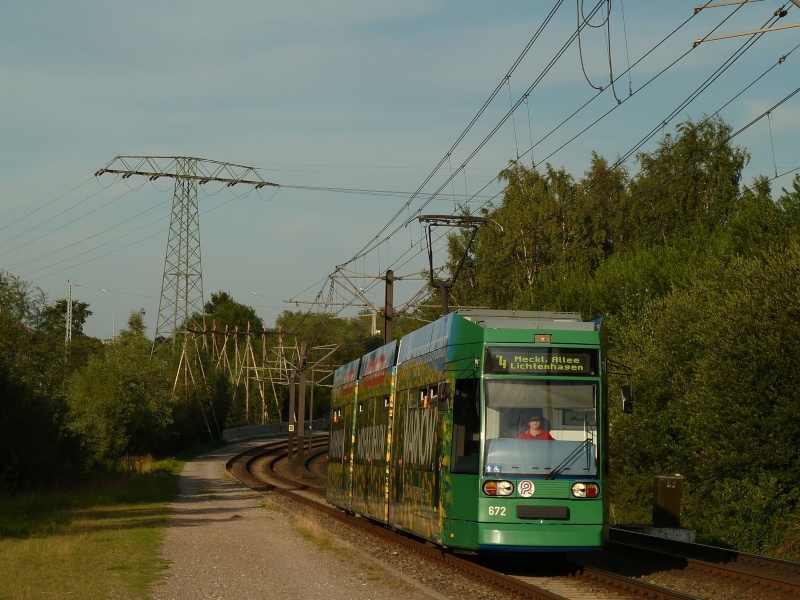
567, 411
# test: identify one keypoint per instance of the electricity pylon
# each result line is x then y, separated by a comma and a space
182, 282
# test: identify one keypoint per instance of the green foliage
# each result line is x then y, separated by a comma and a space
51, 318
223, 311
202, 410
33, 415
352, 334
688, 185
747, 515
121, 403
322, 332
716, 382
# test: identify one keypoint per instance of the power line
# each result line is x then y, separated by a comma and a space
372, 245
620, 161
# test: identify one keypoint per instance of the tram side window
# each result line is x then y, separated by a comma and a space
466, 428
428, 396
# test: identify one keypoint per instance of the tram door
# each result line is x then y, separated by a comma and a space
347, 462
414, 482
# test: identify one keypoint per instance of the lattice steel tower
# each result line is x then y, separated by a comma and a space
182, 282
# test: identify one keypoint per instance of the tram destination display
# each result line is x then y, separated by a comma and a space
540, 361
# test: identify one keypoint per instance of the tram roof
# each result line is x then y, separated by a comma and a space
526, 319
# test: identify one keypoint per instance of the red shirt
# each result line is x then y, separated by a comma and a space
527, 435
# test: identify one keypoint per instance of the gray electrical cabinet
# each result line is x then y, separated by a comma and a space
667, 501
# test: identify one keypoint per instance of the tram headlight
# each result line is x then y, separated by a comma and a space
585, 490
498, 488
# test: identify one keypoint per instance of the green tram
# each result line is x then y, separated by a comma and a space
484, 430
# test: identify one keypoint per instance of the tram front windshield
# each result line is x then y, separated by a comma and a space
562, 443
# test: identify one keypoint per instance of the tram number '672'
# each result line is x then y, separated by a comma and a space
497, 511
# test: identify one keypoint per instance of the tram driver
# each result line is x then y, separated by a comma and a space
534, 430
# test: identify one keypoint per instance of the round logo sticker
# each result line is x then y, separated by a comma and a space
525, 488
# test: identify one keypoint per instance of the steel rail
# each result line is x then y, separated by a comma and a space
762, 571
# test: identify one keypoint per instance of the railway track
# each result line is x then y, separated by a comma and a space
526, 576
772, 578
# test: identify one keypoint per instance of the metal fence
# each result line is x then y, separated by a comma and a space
249, 432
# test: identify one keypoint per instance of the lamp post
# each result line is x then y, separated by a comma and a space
265, 304
113, 314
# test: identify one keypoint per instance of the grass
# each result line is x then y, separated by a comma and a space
102, 541
312, 530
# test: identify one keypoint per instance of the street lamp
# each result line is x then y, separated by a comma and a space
265, 302
113, 314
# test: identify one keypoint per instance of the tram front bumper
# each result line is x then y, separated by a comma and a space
531, 537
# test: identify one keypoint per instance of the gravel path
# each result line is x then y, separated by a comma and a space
225, 541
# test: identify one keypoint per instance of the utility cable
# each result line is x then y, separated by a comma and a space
372, 245
89, 177
621, 160
460, 138
61, 226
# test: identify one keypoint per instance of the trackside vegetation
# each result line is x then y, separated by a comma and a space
693, 271
99, 541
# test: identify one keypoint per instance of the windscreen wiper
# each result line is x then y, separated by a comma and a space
568, 460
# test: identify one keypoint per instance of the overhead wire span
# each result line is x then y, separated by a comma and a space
96, 234
613, 108
56, 216
35, 210
525, 98
464, 133
621, 160
91, 259
674, 175
371, 245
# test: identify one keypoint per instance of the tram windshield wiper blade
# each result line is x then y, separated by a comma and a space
568, 460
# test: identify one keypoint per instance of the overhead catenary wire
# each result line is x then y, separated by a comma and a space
85, 179
726, 65
376, 240
525, 96
464, 133
449, 155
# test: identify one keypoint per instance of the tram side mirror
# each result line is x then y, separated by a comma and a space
444, 395
627, 399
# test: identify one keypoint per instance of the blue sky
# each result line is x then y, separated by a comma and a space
363, 96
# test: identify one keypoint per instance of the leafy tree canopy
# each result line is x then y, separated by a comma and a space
51, 318
223, 311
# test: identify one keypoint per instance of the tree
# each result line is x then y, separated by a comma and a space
506, 268
223, 311
51, 318
31, 406
121, 402
716, 378
688, 185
